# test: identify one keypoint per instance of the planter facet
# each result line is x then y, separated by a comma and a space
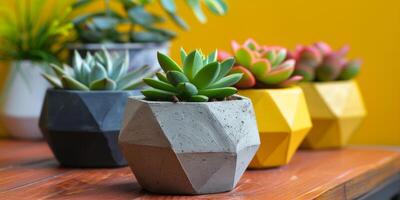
189, 148
336, 109
82, 128
140, 54
22, 101
283, 122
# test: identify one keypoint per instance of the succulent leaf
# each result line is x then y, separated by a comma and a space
207, 75
167, 64
244, 57
187, 89
227, 81
350, 70
73, 84
212, 57
192, 64
198, 98
160, 85
103, 84
308, 73
161, 77
176, 77
226, 67
261, 68
279, 74
248, 80
218, 92
54, 81
183, 55
156, 94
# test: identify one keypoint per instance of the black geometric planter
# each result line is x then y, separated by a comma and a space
82, 128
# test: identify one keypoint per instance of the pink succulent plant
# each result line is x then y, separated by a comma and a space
262, 66
318, 62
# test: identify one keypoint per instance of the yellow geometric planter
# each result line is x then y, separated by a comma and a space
336, 109
283, 122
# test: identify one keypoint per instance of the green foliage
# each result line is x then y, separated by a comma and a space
318, 62
33, 29
104, 25
101, 71
201, 79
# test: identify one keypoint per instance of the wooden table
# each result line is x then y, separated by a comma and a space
28, 171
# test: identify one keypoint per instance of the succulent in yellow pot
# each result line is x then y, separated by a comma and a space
281, 111
334, 99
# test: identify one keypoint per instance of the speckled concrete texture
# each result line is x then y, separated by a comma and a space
187, 147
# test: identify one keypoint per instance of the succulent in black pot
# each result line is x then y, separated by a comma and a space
82, 114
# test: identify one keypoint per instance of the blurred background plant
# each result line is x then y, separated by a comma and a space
319, 62
33, 29
122, 21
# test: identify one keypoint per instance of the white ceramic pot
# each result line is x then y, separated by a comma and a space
22, 99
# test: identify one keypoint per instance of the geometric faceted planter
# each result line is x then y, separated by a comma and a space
283, 122
22, 99
189, 147
336, 109
82, 127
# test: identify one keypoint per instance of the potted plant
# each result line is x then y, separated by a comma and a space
282, 115
82, 115
133, 27
190, 134
29, 40
334, 99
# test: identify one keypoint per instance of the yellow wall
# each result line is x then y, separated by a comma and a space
372, 28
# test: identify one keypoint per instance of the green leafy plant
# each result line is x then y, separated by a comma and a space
318, 62
202, 78
104, 25
33, 29
262, 66
101, 71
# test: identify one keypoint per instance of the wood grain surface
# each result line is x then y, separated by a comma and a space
29, 171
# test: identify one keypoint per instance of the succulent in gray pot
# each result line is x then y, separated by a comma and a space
81, 117
189, 133
134, 27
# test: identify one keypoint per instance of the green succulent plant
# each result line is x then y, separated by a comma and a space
101, 71
200, 79
318, 62
140, 25
262, 66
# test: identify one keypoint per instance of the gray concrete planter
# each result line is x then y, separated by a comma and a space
189, 148
82, 128
140, 54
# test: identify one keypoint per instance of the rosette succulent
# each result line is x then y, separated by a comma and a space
200, 78
318, 62
262, 66
101, 71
